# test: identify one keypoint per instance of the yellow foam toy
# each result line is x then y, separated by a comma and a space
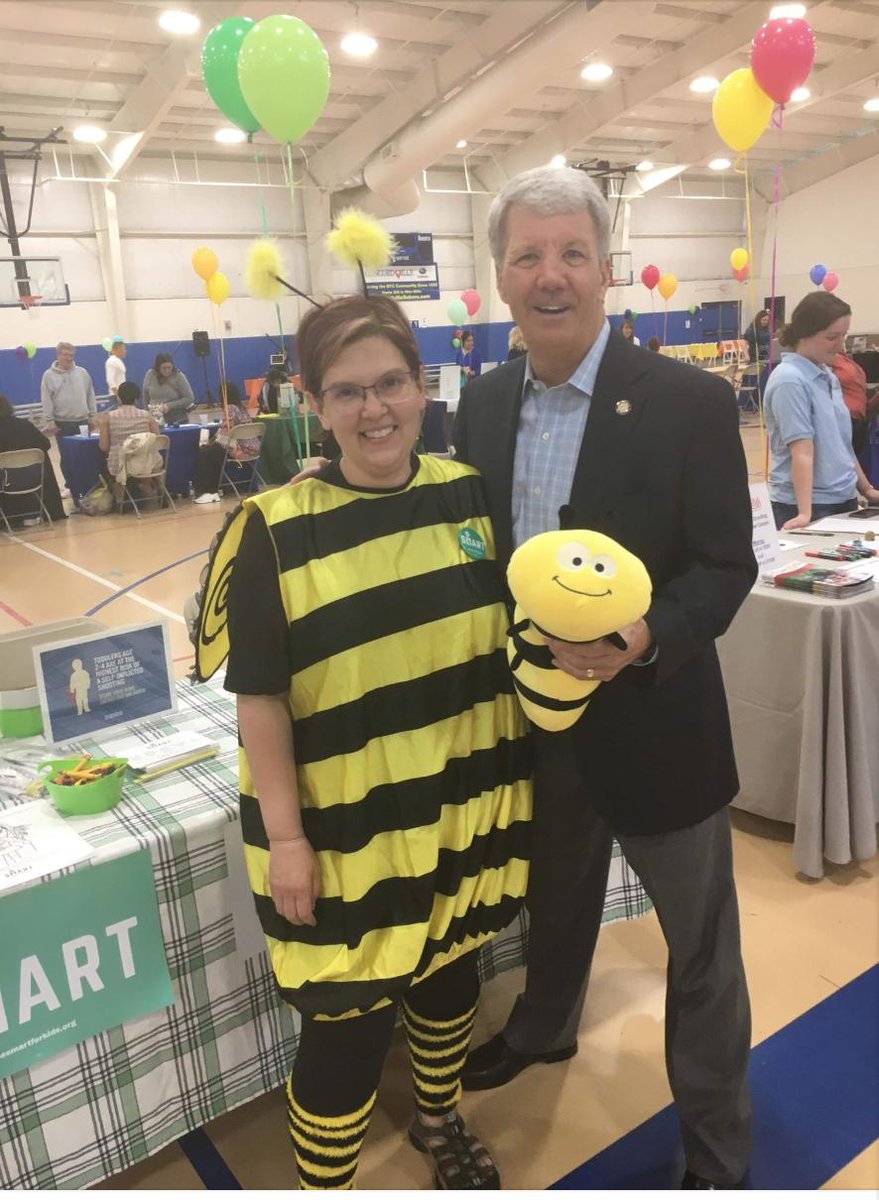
576, 586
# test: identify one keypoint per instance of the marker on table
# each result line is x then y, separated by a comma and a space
812, 533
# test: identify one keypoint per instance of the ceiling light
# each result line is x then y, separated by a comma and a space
558, 160
646, 165
720, 164
90, 134
705, 83
230, 136
175, 21
359, 45
798, 95
462, 145
596, 72
779, 11
872, 105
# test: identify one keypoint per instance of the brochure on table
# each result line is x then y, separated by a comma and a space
35, 841
764, 537
79, 955
90, 685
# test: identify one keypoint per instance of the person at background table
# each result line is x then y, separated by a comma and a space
209, 463
18, 434
647, 451
469, 358
759, 338
165, 384
271, 389
516, 344
115, 366
654, 344
627, 329
814, 471
385, 773
67, 397
853, 381
115, 426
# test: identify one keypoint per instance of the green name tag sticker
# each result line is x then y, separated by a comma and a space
471, 543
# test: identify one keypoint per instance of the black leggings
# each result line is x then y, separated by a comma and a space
331, 1091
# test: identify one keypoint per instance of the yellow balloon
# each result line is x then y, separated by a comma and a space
668, 285
218, 287
741, 109
205, 262
739, 258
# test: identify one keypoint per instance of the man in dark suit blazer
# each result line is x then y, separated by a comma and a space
659, 466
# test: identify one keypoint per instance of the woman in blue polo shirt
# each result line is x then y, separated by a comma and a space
814, 470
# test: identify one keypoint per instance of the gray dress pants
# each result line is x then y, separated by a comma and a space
688, 875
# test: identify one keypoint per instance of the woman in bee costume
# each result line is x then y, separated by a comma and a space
385, 774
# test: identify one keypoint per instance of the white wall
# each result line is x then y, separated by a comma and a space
834, 222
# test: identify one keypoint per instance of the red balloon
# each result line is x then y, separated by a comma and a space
650, 276
782, 54
472, 299
830, 281
741, 273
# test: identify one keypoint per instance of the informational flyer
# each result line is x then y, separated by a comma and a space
93, 684
35, 841
764, 537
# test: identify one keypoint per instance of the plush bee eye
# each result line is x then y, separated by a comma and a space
604, 566
573, 556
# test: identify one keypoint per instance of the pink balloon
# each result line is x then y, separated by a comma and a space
472, 299
830, 281
741, 273
782, 54
650, 276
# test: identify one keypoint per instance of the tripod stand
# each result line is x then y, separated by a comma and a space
209, 397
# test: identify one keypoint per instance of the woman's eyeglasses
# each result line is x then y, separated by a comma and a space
393, 388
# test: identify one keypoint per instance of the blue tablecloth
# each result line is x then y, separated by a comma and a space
82, 461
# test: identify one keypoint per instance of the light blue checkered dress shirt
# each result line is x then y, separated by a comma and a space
551, 426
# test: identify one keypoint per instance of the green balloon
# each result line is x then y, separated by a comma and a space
635, 315
284, 72
456, 342
31, 349
219, 66
457, 311
692, 310
107, 343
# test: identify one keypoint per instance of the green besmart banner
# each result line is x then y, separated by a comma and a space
79, 955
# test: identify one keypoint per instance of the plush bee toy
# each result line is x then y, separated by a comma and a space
576, 586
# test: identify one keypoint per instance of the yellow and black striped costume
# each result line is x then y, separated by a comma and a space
411, 748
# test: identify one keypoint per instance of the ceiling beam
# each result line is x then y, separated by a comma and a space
819, 166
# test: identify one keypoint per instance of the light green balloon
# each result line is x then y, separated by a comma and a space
31, 349
692, 310
107, 343
457, 311
456, 342
284, 72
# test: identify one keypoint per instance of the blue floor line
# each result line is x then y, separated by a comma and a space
209, 1164
144, 579
815, 1086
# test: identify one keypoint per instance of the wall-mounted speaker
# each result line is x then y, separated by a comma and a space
201, 343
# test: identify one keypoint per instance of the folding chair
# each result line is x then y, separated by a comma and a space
162, 443
254, 430
27, 465
748, 390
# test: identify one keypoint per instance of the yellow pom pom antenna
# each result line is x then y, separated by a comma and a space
264, 271
359, 241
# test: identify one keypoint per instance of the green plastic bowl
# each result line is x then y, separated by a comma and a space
99, 796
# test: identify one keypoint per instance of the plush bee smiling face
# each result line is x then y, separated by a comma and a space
578, 585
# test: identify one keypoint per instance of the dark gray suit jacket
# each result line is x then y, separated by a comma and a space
665, 475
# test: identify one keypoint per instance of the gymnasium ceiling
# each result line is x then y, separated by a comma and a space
502, 74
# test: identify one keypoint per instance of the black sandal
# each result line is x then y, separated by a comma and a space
460, 1161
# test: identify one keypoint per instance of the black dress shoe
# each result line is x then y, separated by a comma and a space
691, 1182
495, 1063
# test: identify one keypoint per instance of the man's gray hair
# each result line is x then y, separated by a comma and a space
65, 346
549, 191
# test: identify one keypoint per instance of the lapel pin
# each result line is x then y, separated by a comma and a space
623, 408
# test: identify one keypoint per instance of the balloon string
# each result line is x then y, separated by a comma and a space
752, 290
266, 234
295, 410
219, 337
665, 326
655, 313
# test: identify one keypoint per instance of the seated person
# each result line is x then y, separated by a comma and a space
209, 464
268, 401
114, 427
654, 344
166, 385
18, 434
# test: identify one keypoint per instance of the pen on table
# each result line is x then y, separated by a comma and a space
812, 533
185, 762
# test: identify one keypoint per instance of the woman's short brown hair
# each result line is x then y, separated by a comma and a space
325, 332
814, 312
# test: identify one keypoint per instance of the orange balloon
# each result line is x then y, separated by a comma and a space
218, 288
205, 262
668, 285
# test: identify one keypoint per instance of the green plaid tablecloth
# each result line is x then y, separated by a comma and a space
117, 1098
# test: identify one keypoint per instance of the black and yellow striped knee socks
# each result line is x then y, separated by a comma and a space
326, 1148
437, 1050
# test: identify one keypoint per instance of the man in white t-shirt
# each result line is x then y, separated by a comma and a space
115, 365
